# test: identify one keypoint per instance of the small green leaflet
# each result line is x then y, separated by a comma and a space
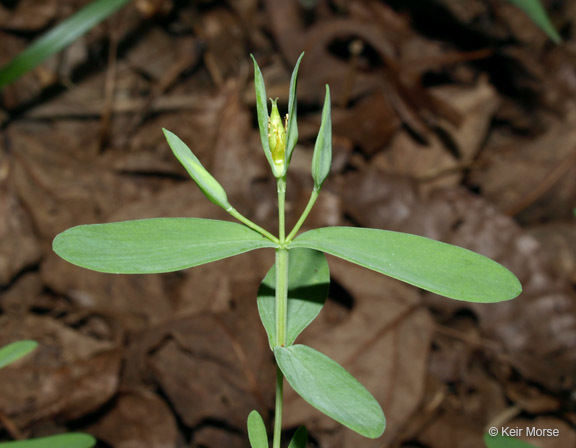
16, 350
292, 125
328, 387
300, 438
438, 267
209, 186
72, 440
308, 284
500, 441
257, 431
150, 246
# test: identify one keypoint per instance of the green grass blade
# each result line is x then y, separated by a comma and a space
155, 245
58, 38
308, 284
300, 438
72, 440
442, 268
328, 387
257, 431
15, 351
535, 10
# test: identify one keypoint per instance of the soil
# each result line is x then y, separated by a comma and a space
455, 120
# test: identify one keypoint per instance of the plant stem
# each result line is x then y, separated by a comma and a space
281, 307
304, 215
252, 225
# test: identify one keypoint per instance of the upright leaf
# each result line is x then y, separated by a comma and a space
16, 350
300, 438
308, 284
58, 38
209, 186
442, 268
535, 10
500, 441
149, 246
322, 158
328, 387
292, 126
262, 112
72, 440
257, 431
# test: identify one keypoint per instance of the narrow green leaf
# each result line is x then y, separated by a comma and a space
149, 246
442, 268
500, 441
209, 186
308, 284
58, 38
262, 112
322, 158
292, 128
300, 438
15, 351
257, 431
72, 440
328, 387
535, 10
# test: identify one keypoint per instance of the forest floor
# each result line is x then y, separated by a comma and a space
455, 120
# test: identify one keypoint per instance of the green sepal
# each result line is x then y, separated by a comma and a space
72, 440
322, 158
538, 14
205, 181
292, 125
257, 431
444, 269
263, 118
308, 285
300, 438
327, 386
16, 350
148, 246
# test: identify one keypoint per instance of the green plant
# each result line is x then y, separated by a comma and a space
12, 352
294, 290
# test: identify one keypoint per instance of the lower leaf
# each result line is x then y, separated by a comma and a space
257, 431
328, 387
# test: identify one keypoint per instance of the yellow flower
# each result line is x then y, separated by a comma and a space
276, 136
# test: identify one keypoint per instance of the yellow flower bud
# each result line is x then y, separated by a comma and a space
276, 135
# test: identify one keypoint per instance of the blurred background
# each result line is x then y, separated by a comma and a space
452, 119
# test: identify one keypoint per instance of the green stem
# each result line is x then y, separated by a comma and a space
278, 410
281, 307
304, 215
252, 225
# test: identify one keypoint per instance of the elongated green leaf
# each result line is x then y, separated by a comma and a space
209, 186
500, 441
262, 112
300, 438
322, 158
442, 268
257, 431
155, 245
535, 10
72, 440
328, 387
292, 127
15, 351
308, 284
58, 38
